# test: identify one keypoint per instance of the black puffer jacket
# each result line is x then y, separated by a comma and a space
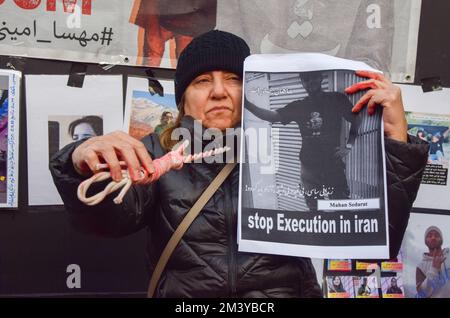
206, 262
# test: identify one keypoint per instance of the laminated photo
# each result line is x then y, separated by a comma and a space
147, 111
366, 287
392, 287
9, 137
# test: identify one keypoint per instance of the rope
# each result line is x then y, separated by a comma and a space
174, 160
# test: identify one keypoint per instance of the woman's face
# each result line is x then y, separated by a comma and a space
214, 98
83, 130
336, 281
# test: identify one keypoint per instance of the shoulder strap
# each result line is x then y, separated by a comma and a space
184, 225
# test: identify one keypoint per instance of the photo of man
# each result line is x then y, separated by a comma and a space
420, 280
320, 130
328, 131
432, 273
167, 121
394, 289
366, 287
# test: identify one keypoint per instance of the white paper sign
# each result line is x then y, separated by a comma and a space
147, 112
313, 179
57, 115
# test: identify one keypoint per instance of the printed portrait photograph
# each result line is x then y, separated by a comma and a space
366, 287
392, 287
151, 112
427, 256
65, 129
434, 129
4, 93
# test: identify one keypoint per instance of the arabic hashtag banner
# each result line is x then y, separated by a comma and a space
382, 33
88, 31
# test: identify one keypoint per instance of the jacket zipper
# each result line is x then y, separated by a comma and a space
232, 250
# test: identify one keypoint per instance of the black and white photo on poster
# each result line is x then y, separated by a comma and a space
312, 172
9, 137
426, 255
65, 129
432, 125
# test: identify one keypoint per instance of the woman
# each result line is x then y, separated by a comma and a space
336, 285
85, 127
206, 263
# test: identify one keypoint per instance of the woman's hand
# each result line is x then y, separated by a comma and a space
382, 92
110, 149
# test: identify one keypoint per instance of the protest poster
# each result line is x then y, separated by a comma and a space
312, 173
9, 137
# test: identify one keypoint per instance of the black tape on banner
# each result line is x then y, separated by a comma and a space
431, 84
77, 74
154, 86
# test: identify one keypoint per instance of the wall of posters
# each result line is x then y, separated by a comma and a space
58, 115
345, 278
108, 31
9, 137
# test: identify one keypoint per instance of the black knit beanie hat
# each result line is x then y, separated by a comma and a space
211, 51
